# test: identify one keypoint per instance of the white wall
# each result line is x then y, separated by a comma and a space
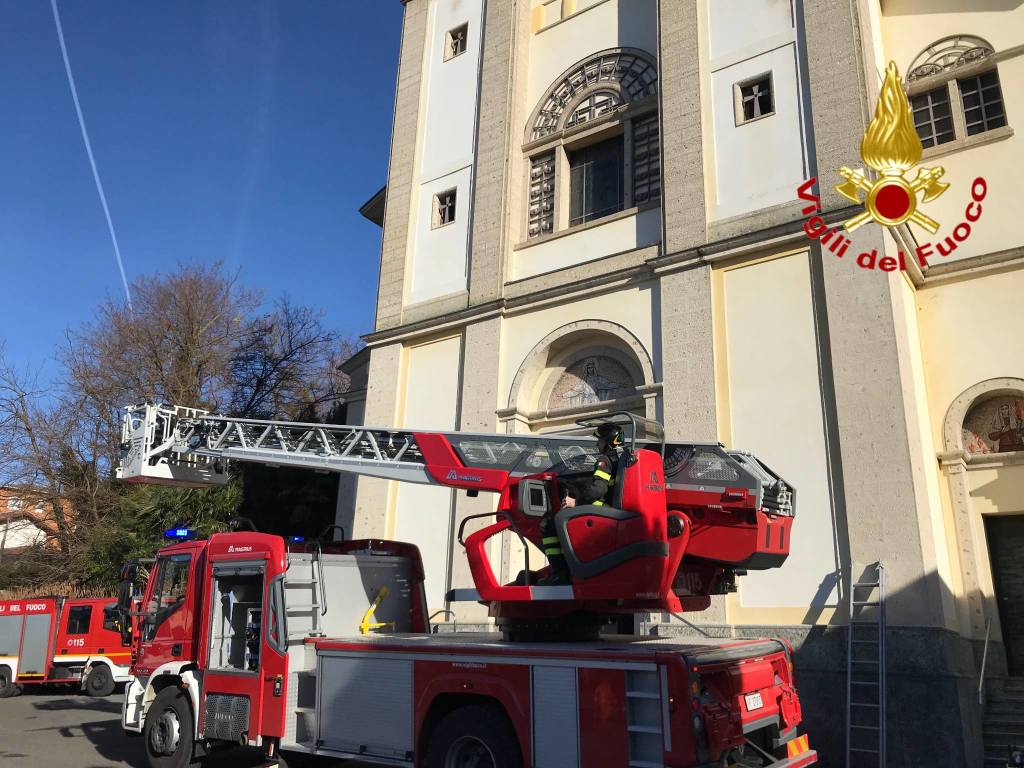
618, 236
423, 512
595, 27
439, 258
451, 86
20, 533
774, 406
446, 151
756, 164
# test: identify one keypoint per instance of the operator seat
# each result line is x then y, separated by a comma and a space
627, 471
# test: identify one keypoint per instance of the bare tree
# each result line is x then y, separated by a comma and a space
32, 430
196, 338
287, 365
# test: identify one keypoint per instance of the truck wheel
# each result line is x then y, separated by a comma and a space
169, 730
474, 737
7, 686
99, 681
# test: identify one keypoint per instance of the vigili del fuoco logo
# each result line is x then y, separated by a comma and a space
892, 148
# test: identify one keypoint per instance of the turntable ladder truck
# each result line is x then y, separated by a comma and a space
325, 647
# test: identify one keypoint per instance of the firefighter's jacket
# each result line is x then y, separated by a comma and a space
596, 488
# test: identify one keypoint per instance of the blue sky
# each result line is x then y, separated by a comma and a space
244, 131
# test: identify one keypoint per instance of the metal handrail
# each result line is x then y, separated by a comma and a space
984, 658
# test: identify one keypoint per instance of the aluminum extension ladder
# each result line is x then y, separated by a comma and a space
865, 673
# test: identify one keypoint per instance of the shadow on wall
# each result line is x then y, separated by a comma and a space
933, 714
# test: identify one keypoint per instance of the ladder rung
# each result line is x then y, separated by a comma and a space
864, 661
865, 602
863, 704
865, 584
299, 608
300, 582
862, 749
865, 682
865, 727
864, 642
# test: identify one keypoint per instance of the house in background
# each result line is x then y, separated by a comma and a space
25, 521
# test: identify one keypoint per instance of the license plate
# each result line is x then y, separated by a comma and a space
753, 701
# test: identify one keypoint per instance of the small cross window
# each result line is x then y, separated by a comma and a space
754, 99
444, 209
455, 41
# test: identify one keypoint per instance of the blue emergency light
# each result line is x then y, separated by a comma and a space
296, 539
179, 534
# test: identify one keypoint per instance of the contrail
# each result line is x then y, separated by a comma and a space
88, 151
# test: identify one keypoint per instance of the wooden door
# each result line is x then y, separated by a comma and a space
1006, 554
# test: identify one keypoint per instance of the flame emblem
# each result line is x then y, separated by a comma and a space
891, 147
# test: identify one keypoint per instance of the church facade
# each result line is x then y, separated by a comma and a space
594, 205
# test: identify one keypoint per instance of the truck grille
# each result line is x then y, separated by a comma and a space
227, 717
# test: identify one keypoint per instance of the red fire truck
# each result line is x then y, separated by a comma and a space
61, 640
326, 648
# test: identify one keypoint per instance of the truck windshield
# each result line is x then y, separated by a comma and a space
169, 590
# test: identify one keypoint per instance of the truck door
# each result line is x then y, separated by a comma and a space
35, 646
236, 679
167, 624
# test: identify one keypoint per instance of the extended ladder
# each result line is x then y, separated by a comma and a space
865, 673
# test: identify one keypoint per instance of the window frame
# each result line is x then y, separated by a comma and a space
588, 165
932, 120
449, 38
435, 213
737, 98
87, 610
949, 79
156, 616
618, 121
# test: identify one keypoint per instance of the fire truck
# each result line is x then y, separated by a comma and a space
326, 648
62, 640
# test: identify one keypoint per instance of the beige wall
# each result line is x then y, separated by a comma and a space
770, 404
423, 513
970, 332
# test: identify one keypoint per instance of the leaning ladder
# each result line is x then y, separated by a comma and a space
865, 673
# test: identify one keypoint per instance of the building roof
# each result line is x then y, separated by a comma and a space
373, 209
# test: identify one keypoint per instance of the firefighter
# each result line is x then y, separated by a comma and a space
594, 490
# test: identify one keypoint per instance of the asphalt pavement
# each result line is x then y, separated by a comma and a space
46, 728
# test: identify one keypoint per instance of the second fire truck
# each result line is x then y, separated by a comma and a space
326, 647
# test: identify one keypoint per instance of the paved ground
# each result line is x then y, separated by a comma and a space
56, 729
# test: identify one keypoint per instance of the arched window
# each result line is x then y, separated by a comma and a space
995, 425
955, 92
582, 369
947, 53
592, 142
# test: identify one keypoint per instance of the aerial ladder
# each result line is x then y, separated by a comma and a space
686, 518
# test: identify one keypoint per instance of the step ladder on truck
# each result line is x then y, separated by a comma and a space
231, 648
48, 640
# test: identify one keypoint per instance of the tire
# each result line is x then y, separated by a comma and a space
7, 686
169, 730
474, 736
99, 681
